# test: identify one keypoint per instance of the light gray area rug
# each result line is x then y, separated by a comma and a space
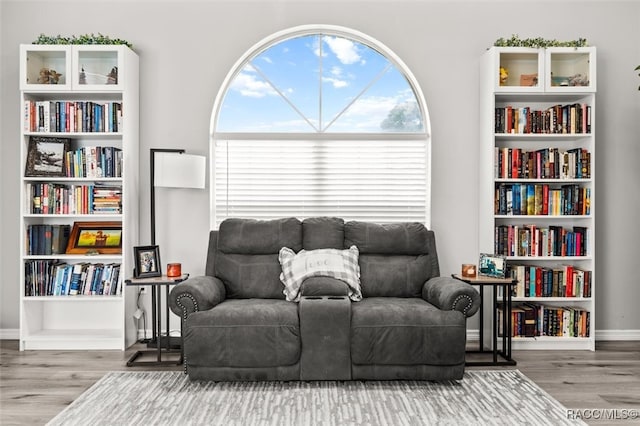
501, 397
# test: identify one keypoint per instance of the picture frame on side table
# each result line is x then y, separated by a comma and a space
46, 156
95, 238
492, 265
147, 262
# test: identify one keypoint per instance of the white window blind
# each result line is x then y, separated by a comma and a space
377, 180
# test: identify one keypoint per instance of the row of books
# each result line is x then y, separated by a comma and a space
55, 198
570, 118
54, 278
546, 163
542, 199
47, 239
94, 162
534, 241
532, 320
539, 281
72, 116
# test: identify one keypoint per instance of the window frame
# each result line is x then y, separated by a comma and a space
323, 30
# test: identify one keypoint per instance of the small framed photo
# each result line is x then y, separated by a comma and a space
492, 265
95, 238
46, 156
147, 262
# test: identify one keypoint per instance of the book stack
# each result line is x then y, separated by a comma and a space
107, 199
546, 163
72, 116
558, 119
47, 239
534, 241
542, 199
53, 198
539, 281
54, 278
94, 162
532, 320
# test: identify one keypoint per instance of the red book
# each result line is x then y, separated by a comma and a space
515, 163
509, 119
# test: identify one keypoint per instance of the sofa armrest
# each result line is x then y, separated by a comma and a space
323, 286
196, 294
450, 294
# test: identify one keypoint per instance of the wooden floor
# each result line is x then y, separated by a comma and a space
36, 385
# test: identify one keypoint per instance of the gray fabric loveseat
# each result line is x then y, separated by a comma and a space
405, 321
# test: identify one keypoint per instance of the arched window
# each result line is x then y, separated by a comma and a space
320, 121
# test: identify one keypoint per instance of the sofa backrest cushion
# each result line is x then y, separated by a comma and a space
383, 275
395, 259
247, 255
250, 236
323, 232
409, 238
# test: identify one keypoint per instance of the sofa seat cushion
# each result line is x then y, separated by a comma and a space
244, 333
405, 331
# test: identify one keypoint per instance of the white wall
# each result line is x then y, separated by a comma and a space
187, 47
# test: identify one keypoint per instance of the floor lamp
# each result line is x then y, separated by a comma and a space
171, 168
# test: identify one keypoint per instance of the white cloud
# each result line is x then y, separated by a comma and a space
248, 85
345, 50
336, 70
336, 82
365, 114
267, 59
372, 106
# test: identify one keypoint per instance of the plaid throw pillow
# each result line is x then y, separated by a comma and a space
334, 263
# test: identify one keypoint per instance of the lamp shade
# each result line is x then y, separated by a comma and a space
173, 170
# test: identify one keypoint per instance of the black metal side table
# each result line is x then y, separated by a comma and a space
156, 300
505, 353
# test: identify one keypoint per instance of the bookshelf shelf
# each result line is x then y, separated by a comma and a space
553, 91
85, 162
552, 299
74, 299
543, 217
93, 258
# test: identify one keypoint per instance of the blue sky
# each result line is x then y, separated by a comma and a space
279, 89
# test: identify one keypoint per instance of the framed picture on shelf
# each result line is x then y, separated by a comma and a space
147, 262
492, 265
45, 156
95, 238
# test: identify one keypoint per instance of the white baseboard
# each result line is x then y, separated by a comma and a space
149, 333
9, 333
601, 335
473, 335
610, 335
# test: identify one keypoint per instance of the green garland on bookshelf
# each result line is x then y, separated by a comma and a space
82, 39
539, 42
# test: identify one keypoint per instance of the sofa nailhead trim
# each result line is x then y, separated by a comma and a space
459, 298
184, 317
184, 308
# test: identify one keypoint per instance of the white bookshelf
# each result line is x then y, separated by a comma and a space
544, 93
81, 322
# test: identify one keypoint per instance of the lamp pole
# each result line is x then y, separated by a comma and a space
153, 187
